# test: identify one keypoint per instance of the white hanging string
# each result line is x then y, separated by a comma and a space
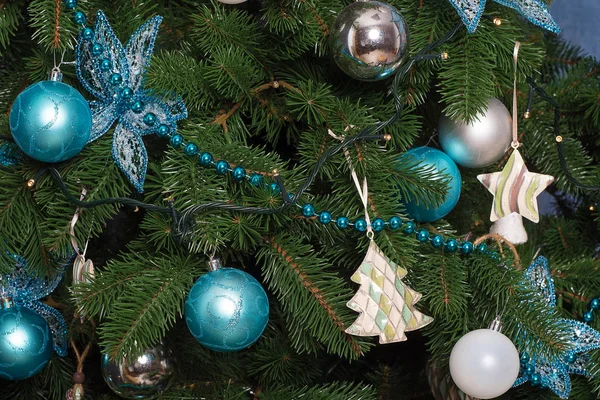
515, 134
363, 190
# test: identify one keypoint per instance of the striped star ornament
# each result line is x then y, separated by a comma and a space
515, 189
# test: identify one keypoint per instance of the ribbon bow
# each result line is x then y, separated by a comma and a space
96, 65
26, 291
580, 339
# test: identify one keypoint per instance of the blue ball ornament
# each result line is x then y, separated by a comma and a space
25, 343
50, 121
430, 157
227, 310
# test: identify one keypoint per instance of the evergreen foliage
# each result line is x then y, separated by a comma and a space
262, 92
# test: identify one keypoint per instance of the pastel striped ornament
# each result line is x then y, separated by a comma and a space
515, 189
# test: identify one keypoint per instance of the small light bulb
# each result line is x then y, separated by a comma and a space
497, 21
31, 183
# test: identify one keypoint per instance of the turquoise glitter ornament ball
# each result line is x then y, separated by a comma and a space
50, 121
227, 310
441, 162
25, 343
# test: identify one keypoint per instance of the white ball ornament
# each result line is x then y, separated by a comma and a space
232, 1
484, 363
481, 142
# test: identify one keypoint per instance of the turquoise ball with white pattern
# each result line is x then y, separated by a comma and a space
25, 343
50, 121
227, 310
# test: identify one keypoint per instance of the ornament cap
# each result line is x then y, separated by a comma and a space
496, 324
55, 75
214, 264
6, 302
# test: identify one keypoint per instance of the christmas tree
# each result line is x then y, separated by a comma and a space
189, 189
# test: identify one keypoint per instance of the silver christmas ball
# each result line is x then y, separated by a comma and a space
480, 143
369, 40
142, 378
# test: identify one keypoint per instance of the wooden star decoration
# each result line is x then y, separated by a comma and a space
515, 189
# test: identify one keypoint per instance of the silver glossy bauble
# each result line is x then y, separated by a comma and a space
369, 40
142, 378
480, 143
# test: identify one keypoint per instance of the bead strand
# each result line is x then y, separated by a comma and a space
239, 173
594, 305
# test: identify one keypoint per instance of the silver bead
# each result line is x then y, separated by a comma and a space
369, 40
480, 143
143, 378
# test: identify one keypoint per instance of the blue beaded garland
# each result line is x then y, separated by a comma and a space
222, 167
482, 248
409, 227
378, 224
525, 359
395, 223
308, 210
116, 79
451, 245
570, 358
595, 304
466, 248
360, 225
256, 179
342, 222
79, 18
227, 310
50, 121
162, 131
138, 107
529, 369
494, 255
106, 65
97, 49
437, 241
150, 119
70, 4
588, 316
176, 141
191, 149
422, 235
325, 217
238, 173
87, 34
205, 159
274, 186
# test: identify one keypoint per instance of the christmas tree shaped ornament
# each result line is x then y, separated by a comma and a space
537, 368
29, 329
51, 121
484, 363
114, 74
386, 306
369, 40
470, 12
515, 189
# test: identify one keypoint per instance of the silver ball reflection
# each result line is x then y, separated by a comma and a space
369, 40
144, 378
480, 143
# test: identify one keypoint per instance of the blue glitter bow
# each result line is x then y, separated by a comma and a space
10, 154
534, 10
580, 339
26, 291
103, 57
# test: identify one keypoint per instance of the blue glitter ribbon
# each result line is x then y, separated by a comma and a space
535, 11
26, 291
130, 62
580, 339
10, 154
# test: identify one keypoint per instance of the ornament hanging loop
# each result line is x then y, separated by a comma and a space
515, 133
